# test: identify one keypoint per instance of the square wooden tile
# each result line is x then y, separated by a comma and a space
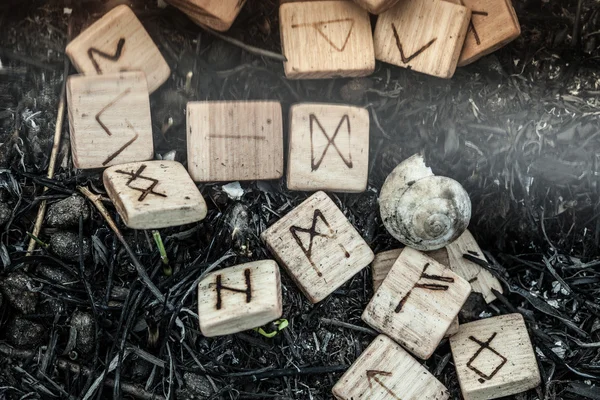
493, 25
385, 371
234, 140
384, 261
329, 148
239, 298
416, 302
109, 118
376, 6
216, 14
154, 194
326, 39
318, 246
115, 43
481, 280
423, 35
494, 358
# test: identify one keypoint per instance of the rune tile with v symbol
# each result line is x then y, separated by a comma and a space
329, 148
326, 39
318, 246
424, 35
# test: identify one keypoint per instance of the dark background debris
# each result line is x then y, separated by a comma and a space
519, 129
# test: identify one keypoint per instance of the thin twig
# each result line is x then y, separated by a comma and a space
250, 49
341, 324
95, 199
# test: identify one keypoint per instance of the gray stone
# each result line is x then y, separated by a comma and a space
66, 245
5, 213
56, 274
83, 323
65, 213
355, 90
195, 387
24, 333
15, 288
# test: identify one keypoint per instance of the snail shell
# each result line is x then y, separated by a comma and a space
421, 210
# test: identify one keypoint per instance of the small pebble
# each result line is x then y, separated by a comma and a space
83, 323
66, 245
24, 333
5, 213
195, 387
15, 288
355, 90
65, 213
56, 274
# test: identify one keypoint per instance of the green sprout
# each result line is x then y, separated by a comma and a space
37, 240
280, 324
167, 270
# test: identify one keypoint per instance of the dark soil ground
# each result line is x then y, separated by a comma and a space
519, 129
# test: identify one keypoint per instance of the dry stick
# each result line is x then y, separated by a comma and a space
250, 49
54, 154
95, 199
341, 324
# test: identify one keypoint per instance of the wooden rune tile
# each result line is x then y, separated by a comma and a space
326, 39
318, 246
416, 302
494, 358
154, 194
460, 252
385, 371
239, 298
234, 140
383, 262
329, 148
423, 35
118, 42
376, 6
493, 25
109, 118
216, 14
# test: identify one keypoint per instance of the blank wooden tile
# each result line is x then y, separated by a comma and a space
493, 25
109, 118
383, 262
234, 140
216, 14
481, 280
329, 148
416, 302
384, 371
376, 6
494, 358
422, 35
239, 298
118, 42
326, 39
154, 194
318, 246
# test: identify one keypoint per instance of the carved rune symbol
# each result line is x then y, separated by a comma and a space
247, 291
472, 25
485, 346
344, 23
315, 164
373, 375
406, 59
313, 233
425, 285
109, 133
134, 176
111, 57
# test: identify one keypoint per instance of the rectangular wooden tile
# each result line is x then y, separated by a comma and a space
318, 246
423, 35
234, 140
326, 39
239, 298
384, 261
494, 358
109, 118
493, 25
115, 43
481, 280
416, 302
216, 14
154, 194
384, 371
328, 148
